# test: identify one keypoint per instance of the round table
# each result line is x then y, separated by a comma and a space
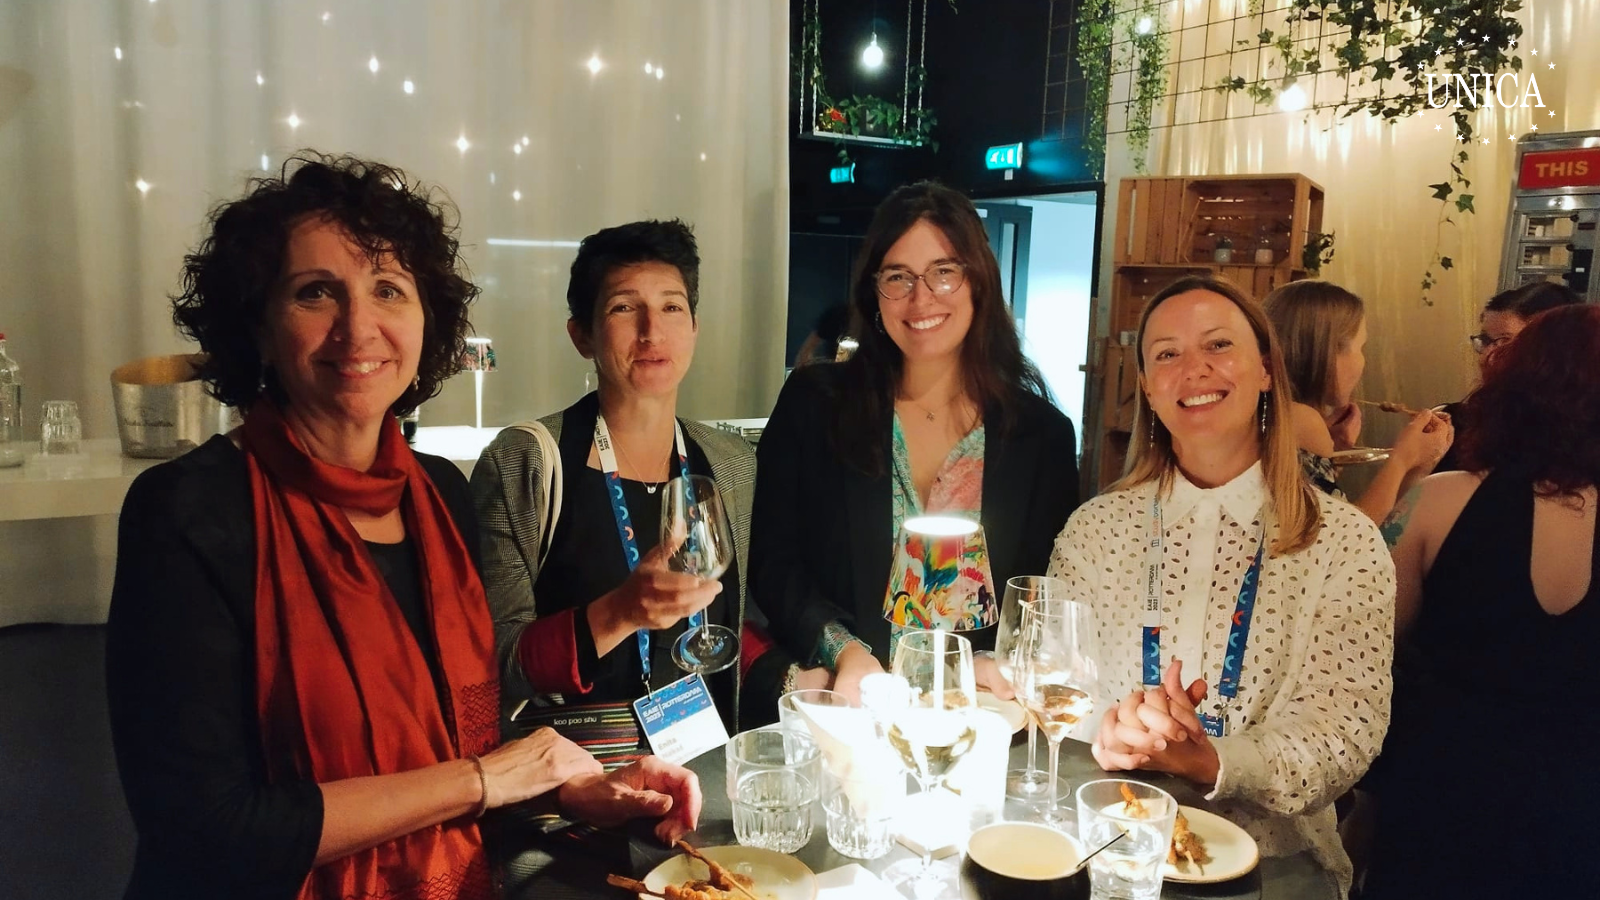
558, 866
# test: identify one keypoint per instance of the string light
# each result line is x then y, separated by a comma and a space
462, 143
594, 64
372, 65
1292, 99
293, 120
872, 55
408, 87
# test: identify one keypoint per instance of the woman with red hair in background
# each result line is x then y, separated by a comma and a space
1499, 591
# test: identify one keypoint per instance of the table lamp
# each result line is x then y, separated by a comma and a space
941, 576
478, 359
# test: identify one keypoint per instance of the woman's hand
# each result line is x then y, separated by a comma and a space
654, 597
1424, 441
1158, 729
1345, 427
530, 766
855, 663
987, 673
648, 788
816, 679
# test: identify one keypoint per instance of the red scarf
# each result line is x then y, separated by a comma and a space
342, 688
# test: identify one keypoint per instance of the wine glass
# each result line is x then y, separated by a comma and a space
931, 731
694, 526
1010, 644
1057, 681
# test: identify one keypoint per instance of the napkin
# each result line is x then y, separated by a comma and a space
852, 882
865, 766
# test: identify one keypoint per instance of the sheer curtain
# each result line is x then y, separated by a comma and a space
1376, 177
123, 121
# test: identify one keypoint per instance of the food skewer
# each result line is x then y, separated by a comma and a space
720, 876
1391, 407
628, 884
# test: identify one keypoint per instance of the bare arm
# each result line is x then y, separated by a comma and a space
364, 812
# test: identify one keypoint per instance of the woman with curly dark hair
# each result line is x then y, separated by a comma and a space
300, 658
1490, 790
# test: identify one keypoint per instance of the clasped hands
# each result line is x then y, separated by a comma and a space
1158, 729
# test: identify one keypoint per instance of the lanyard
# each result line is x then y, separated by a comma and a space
619, 512
1238, 631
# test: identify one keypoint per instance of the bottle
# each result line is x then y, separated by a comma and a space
11, 448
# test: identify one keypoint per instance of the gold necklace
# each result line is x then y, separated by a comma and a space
926, 410
652, 488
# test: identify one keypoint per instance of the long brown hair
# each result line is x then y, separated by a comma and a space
1297, 516
992, 365
1315, 321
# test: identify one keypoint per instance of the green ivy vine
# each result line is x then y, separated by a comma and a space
1395, 45
1142, 50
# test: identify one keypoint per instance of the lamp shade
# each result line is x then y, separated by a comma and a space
479, 356
941, 576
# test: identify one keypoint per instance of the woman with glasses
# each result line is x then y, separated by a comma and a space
938, 411
1503, 318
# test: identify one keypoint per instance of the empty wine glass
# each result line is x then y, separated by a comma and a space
1057, 681
1010, 644
931, 731
694, 526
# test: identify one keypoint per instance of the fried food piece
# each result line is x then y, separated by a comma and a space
721, 878
1132, 806
1187, 845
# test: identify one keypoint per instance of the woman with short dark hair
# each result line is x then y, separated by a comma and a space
1499, 596
937, 411
299, 655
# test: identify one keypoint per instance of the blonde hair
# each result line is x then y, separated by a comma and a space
1315, 321
1296, 518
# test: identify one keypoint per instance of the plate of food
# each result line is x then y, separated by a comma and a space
1207, 848
1010, 710
725, 873
1357, 455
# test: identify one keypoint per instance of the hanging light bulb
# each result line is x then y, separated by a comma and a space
1145, 25
872, 56
1292, 98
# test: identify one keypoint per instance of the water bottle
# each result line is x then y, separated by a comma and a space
11, 449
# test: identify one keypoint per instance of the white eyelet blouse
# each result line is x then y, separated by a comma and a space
1313, 700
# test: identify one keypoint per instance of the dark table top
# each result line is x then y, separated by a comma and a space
555, 867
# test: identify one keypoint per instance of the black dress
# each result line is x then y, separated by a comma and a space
180, 675
1490, 785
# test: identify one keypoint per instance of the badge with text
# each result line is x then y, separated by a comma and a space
680, 721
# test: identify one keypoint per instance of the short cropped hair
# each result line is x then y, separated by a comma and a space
605, 251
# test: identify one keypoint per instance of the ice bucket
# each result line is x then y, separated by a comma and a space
162, 407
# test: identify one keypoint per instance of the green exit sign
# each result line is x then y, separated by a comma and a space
1005, 156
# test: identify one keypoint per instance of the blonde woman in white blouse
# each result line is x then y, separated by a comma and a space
1277, 730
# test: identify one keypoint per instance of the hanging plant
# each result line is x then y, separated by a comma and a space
1148, 39
1317, 252
1142, 51
1395, 46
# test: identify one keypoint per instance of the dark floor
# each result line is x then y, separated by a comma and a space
65, 833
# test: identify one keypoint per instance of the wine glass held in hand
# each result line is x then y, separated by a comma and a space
694, 526
931, 732
1057, 681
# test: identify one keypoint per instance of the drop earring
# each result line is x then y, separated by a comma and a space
1264, 413
1152, 415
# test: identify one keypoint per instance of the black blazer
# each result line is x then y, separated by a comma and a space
822, 533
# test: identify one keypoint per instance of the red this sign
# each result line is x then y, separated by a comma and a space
1560, 168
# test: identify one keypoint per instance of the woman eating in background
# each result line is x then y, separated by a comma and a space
938, 411
299, 656
572, 626
1323, 330
1499, 599
1214, 557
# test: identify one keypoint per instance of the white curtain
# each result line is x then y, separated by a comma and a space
1378, 204
123, 121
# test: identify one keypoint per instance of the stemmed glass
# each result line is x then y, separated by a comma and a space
931, 731
1057, 681
695, 526
1010, 644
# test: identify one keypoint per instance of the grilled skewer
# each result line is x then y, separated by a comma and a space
1391, 407
628, 884
720, 876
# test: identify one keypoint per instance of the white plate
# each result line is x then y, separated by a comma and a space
1233, 852
1358, 455
1010, 710
777, 877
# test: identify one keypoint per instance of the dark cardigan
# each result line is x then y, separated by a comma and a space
822, 532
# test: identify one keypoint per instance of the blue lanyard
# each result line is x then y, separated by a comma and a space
619, 512
1238, 630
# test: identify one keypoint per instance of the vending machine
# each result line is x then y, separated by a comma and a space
1555, 206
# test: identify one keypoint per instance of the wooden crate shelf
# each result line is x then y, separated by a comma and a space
1167, 228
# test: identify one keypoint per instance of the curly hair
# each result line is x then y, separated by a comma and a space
229, 280
609, 249
1538, 410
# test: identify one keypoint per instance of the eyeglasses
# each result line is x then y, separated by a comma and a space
1482, 342
941, 279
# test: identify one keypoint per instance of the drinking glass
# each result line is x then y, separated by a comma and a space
796, 708
859, 825
931, 732
695, 525
61, 433
1130, 869
1010, 642
1056, 681
774, 778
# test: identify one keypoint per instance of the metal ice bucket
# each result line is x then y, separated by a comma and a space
162, 408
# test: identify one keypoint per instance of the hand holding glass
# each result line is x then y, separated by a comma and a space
694, 526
